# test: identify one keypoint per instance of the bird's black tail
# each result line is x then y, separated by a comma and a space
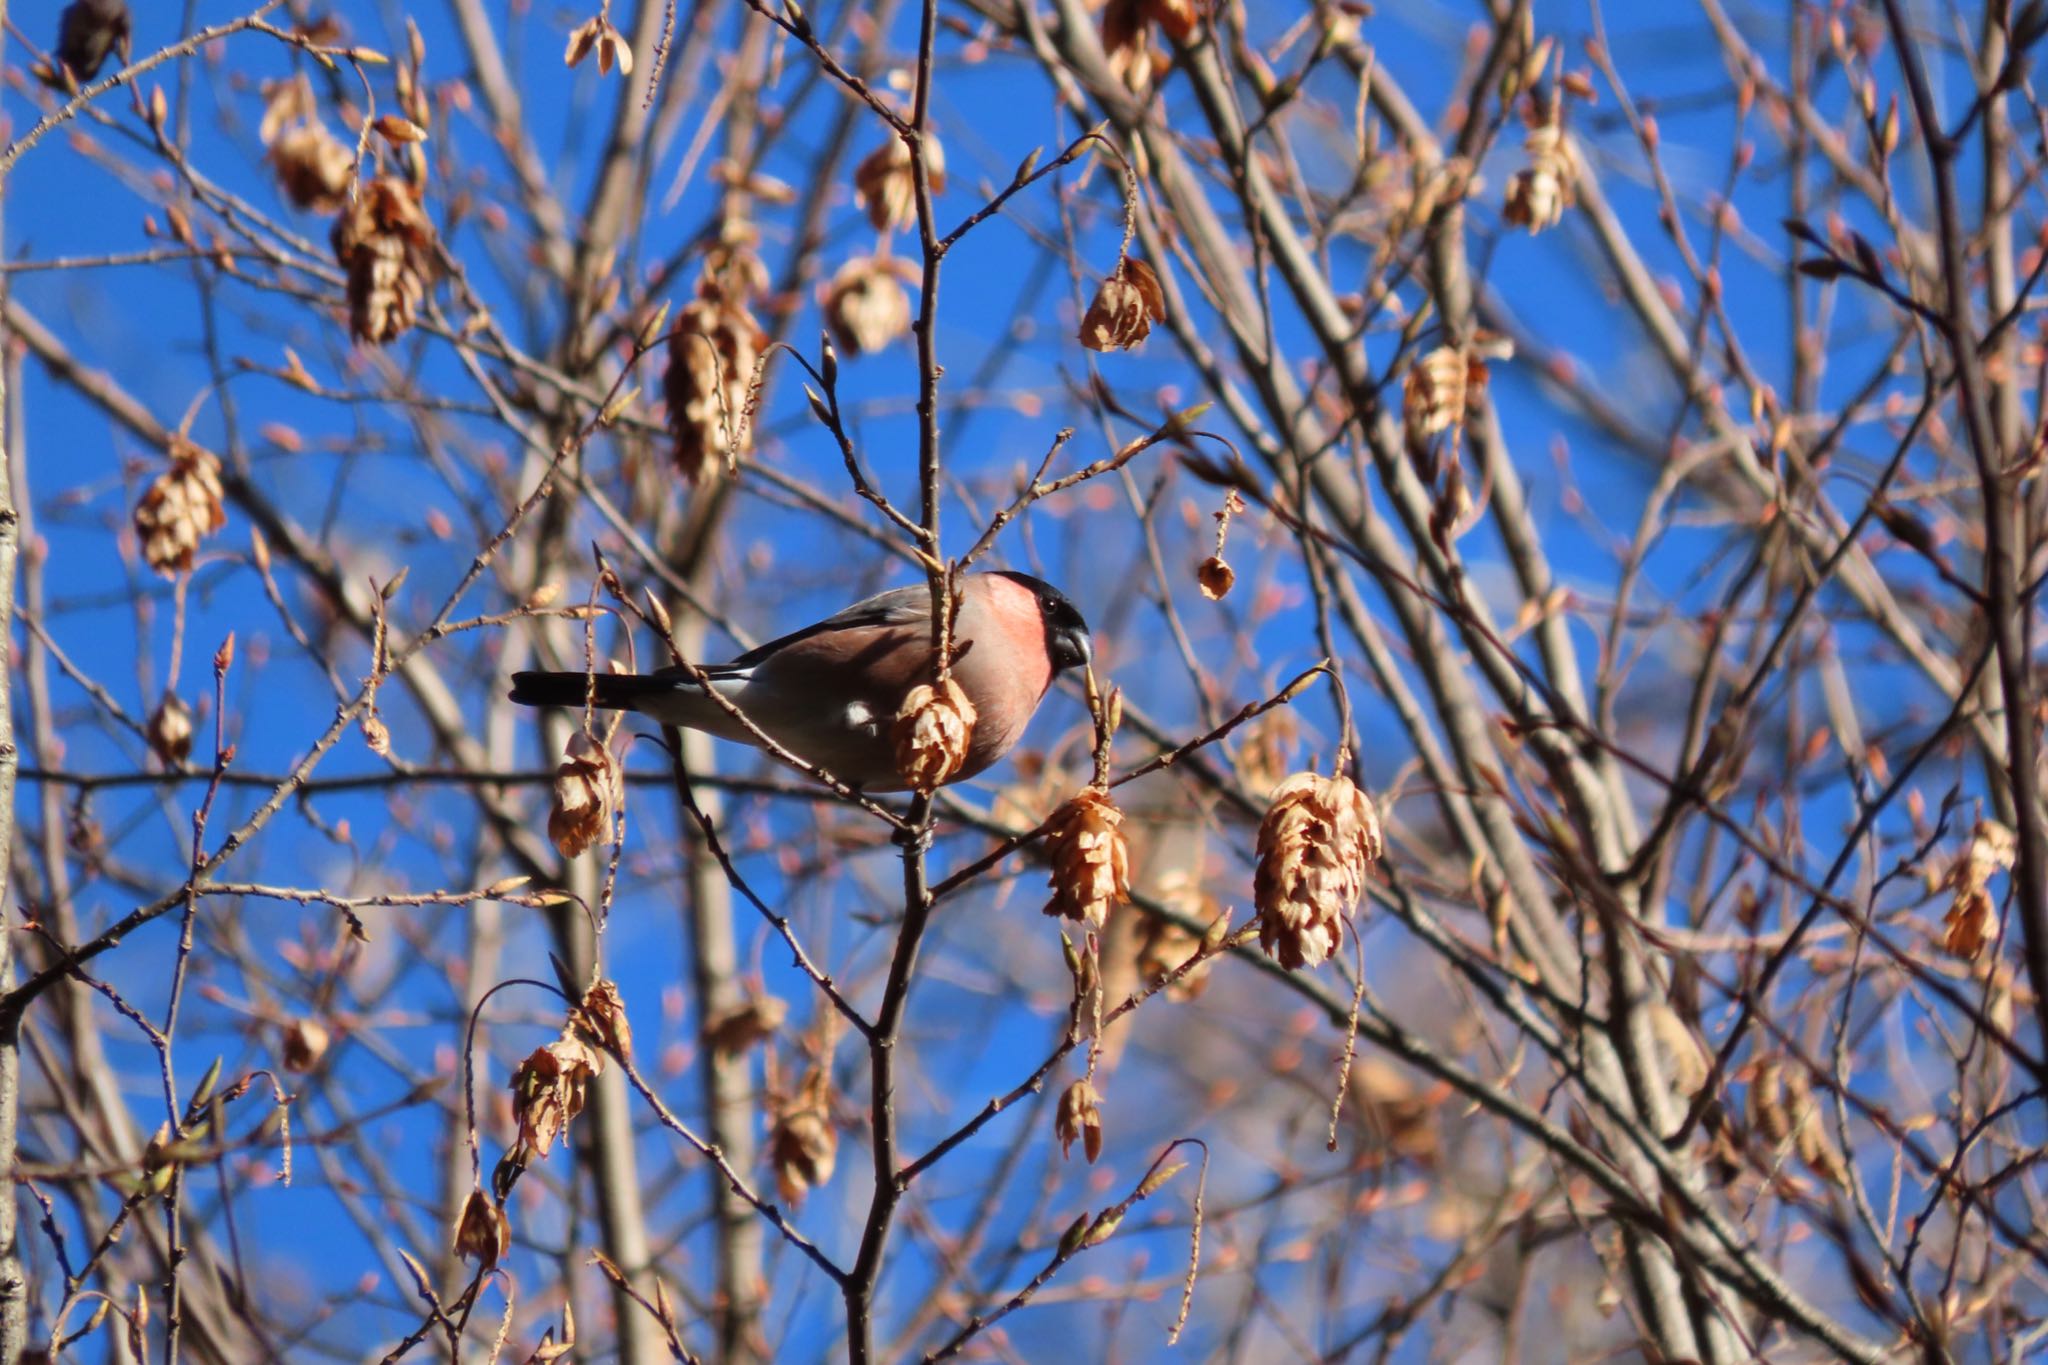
612, 692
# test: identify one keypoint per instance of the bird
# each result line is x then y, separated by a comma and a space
87, 31
828, 692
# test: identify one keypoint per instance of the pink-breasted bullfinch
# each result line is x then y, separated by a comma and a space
828, 693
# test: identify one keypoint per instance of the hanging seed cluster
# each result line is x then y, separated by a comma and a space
1126, 305
589, 793
1783, 1110
1091, 863
885, 183
548, 1090
169, 731
803, 1146
1318, 839
313, 166
1547, 184
866, 303
180, 508
1972, 919
385, 241
931, 733
714, 354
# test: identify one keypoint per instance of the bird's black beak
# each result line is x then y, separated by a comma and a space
1071, 649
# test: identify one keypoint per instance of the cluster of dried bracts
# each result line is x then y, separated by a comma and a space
385, 242
1091, 865
1131, 34
715, 355
548, 1090
931, 733
1316, 845
1443, 388
716, 347
590, 792
1126, 305
180, 508
867, 302
314, 167
1318, 839
1547, 183
383, 239
803, 1143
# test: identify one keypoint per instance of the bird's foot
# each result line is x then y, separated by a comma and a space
915, 838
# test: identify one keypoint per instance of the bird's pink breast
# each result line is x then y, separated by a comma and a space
1006, 671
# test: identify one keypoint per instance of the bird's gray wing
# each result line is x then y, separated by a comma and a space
896, 607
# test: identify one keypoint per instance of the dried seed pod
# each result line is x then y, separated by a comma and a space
597, 34
305, 1043
1178, 17
885, 185
1817, 1150
600, 1019
1127, 36
709, 383
803, 1146
588, 794
180, 508
1972, 919
398, 130
286, 104
931, 732
1319, 837
1809, 1134
1079, 1118
483, 1234
385, 241
613, 50
548, 1090
733, 268
738, 1028
1684, 1060
1215, 577
1126, 305
714, 351
313, 167
1400, 1115
582, 40
170, 731
1768, 1113
866, 303
1127, 42
1970, 924
1265, 755
1439, 390
1543, 189
1164, 948
1090, 863
87, 32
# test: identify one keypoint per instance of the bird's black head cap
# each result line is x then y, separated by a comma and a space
1066, 634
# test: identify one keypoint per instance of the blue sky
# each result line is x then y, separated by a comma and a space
382, 503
